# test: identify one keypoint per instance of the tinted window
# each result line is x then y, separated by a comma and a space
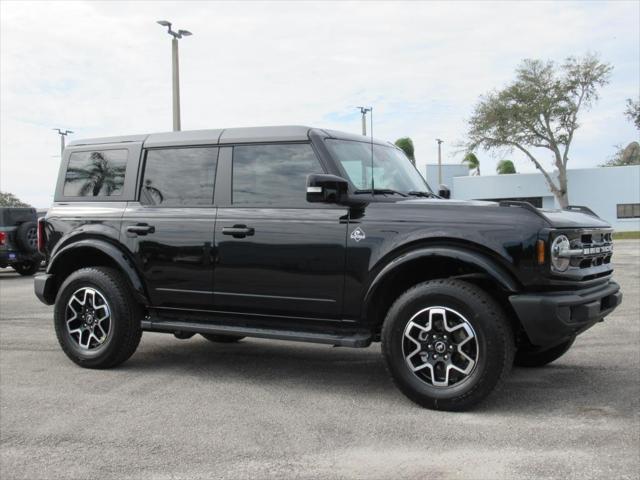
179, 176
272, 174
95, 174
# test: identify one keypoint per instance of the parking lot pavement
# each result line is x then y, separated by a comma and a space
264, 409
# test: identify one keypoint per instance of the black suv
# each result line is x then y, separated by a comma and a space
18, 240
314, 235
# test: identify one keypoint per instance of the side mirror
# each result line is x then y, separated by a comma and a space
323, 188
444, 191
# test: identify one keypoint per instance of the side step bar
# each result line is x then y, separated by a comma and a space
357, 339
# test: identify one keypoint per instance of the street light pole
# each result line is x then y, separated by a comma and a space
63, 134
175, 70
439, 161
364, 111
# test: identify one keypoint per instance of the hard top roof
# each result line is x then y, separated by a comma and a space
285, 133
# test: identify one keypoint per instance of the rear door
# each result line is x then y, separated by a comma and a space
277, 254
170, 229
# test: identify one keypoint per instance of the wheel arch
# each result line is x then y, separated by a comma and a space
432, 262
91, 252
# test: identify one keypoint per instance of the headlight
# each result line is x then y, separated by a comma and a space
559, 246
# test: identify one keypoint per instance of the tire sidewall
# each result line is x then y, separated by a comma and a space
475, 311
92, 279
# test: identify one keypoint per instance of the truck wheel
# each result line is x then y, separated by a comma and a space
539, 357
96, 318
27, 237
447, 344
26, 268
212, 337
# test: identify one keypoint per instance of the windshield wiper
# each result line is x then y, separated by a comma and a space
382, 191
422, 194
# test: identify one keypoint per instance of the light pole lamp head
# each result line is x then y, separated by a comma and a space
164, 23
439, 141
184, 33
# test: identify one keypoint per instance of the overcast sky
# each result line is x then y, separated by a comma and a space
103, 68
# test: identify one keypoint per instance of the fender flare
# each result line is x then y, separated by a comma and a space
477, 259
120, 258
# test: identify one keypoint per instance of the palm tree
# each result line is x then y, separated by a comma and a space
406, 145
505, 167
472, 162
98, 175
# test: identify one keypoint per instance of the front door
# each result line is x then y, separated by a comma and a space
170, 231
278, 255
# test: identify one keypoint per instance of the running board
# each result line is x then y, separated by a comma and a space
357, 339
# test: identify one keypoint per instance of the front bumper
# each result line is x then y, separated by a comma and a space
550, 318
44, 288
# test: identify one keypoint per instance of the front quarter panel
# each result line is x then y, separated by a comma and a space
505, 236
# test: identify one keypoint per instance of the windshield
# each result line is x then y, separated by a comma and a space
392, 170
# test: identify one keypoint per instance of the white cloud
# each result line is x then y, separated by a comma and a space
104, 69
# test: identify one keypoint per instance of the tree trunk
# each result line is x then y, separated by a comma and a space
562, 194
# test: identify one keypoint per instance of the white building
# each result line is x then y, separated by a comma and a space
611, 192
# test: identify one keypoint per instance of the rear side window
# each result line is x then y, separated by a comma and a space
272, 174
179, 176
98, 173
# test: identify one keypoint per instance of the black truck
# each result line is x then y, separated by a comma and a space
313, 235
18, 240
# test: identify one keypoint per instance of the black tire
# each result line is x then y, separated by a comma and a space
494, 344
26, 268
27, 237
125, 317
212, 337
539, 357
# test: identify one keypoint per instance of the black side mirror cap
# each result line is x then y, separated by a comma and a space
444, 191
324, 188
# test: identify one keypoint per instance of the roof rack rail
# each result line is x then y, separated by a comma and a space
582, 209
517, 203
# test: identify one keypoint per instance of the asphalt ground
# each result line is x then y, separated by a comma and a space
188, 409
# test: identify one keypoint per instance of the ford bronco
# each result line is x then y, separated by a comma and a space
313, 235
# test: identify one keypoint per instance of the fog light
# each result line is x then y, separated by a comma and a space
559, 248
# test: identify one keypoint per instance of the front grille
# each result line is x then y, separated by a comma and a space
594, 262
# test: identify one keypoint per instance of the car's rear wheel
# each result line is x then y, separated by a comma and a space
222, 338
447, 344
540, 356
26, 268
96, 318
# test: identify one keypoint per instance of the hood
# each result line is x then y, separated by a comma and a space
576, 217
572, 219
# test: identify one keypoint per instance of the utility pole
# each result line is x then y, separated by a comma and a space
439, 161
364, 111
175, 73
63, 134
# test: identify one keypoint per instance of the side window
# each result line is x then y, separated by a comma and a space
179, 176
98, 173
272, 174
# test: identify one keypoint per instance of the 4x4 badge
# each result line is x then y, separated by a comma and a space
358, 235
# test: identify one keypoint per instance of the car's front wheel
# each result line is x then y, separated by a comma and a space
26, 268
447, 344
96, 318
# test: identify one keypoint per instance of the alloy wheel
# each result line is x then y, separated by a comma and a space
440, 346
88, 318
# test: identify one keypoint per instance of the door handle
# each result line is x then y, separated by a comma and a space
141, 229
238, 231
